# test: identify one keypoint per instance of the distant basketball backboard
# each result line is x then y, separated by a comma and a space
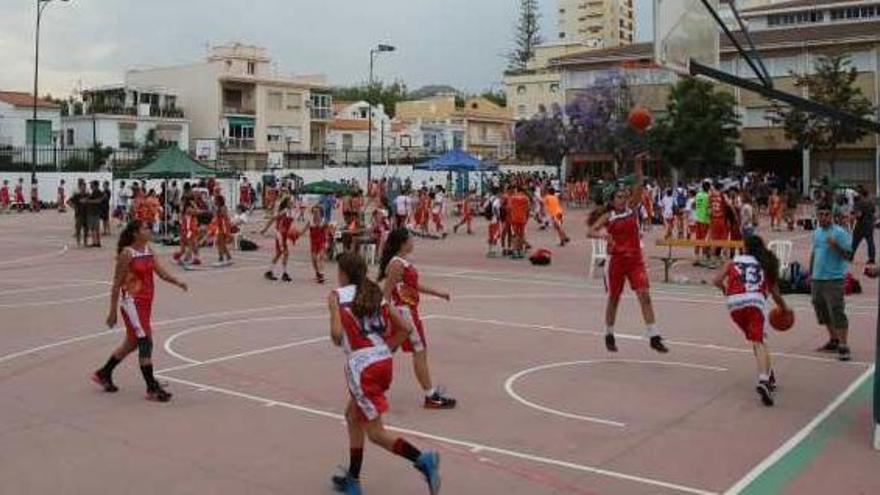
685, 30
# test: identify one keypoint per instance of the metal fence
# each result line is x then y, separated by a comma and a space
68, 159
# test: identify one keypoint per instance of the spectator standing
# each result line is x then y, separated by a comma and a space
106, 195
78, 201
829, 261
865, 213
93, 213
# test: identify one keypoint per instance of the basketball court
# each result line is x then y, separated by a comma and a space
259, 389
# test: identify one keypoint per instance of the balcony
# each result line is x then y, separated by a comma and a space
241, 144
322, 113
154, 111
235, 110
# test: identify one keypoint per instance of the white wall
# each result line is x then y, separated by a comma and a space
13, 123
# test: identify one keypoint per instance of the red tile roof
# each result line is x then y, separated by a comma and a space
22, 99
350, 125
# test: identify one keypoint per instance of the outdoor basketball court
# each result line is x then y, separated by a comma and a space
544, 409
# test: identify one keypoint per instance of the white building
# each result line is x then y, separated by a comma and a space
125, 117
17, 124
596, 23
235, 98
349, 136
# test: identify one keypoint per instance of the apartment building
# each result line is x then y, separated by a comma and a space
790, 37
235, 98
124, 117
596, 23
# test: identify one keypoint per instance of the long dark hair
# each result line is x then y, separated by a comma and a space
126, 237
396, 239
754, 246
368, 296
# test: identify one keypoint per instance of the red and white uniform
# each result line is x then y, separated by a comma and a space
136, 304
318, 237
406, 299
244, 194
747, 296
4, 196
19, 194
369, 366
625, 254
224, 224
718, 227
283, 230
189, 227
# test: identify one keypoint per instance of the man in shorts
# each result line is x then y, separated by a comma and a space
829, 261
701, 213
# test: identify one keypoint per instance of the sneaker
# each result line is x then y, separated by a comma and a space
766, 393
610, 343
830, 346
439, 401
345, 483
270, 276
772, 381
158, 394
658, 345
429, 465
177, 256
286, 278
105, 381
843, 353
196, 262
319, 278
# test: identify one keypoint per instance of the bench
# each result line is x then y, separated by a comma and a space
670, 260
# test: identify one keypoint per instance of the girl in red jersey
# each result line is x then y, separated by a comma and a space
402, 287
619, 225
746, 281
189, 235
19, 196
319, 233
283, 222
224, 231
359, 323
4, 197
467, 215
132, 295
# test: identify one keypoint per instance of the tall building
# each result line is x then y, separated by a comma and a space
596, 23
234, 98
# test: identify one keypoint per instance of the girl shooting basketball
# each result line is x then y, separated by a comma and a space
746, 281
132, 295
359, 323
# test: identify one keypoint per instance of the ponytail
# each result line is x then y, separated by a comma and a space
126, 237
368, 295
396, 239
754, 246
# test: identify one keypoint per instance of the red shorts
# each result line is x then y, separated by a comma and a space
318, 244
437, 218
701, 230
751, 321
620, 269
368, 380
718, 231
136, 316
494, 232
518, 229
281, 240
416, 341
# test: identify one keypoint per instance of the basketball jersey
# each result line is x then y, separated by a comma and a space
716, 205
284, 221
406, 292
746, 284
362, 333
19, 193
4, 194
623, 232
317, 233
140, 274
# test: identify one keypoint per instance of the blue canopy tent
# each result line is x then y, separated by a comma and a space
460, 162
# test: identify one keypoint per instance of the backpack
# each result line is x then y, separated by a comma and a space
680, 199
247, 245
541, 257
487, 209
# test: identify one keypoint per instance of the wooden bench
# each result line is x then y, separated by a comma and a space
671, 243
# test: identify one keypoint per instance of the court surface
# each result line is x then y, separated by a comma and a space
544, 409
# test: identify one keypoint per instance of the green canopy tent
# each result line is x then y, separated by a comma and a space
325, 187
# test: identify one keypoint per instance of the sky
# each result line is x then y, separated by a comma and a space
92, 42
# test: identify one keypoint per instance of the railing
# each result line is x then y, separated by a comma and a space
240, 144
322, 113
67, 159
239, 110
155, 111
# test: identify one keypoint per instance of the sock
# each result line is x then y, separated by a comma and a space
609, 330
763, 378
406, 450
147, 371
430, 392
110, 365
356, 460
653, 331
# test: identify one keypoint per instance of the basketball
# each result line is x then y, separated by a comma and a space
781, 320
640, 118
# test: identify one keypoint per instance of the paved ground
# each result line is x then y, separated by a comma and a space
544, 410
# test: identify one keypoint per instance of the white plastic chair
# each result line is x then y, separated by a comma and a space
782, 250
600, 253
368, 251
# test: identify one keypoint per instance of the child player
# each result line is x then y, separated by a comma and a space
746, 281
284, 231
626, 261
319, 233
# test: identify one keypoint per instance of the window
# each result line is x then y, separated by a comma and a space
561, 36
126, 136
757, 117
69, 137
294, 101
784, 66
275, 134
554, 88
251, 68
347, 142
43, 132
521, 111
521, 90
275, 101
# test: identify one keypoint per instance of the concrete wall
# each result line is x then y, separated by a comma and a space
13, 123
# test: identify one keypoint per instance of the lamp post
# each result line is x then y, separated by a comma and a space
41, 4
375, 51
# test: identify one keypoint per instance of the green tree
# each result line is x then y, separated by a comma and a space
497, 97
526, 36
700, 130
832, 84
378, 92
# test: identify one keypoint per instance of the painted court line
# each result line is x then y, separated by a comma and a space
798, 437
511, 381
451, 441
53, 254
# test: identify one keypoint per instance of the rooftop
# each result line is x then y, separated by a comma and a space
22, 99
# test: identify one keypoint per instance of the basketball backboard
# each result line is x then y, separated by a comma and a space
685, 30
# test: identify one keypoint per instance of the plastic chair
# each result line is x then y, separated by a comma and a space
782, 250
368, 251
599, 254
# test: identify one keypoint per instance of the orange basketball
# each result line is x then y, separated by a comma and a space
640, 118
781, 320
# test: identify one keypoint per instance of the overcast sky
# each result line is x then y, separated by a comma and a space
456, 42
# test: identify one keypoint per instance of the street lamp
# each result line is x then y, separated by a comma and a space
41, 4
381, 48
